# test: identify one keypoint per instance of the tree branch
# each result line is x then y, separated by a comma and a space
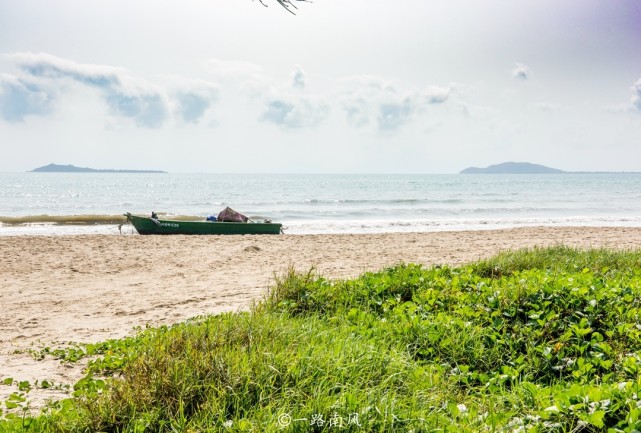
287, 4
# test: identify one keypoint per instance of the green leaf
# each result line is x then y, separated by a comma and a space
596, 418
10, 404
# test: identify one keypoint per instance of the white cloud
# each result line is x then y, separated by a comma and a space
636, 97
521, 72
633, 106
148, 110
193, 98
299, 79
125, 96
249, 76
372, 100
291, 107
150, 105
436, 95
359, 96
297, 112
144, 103
46, 65
21, 97
364, 99
392, 115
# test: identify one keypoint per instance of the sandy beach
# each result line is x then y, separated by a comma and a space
57, 289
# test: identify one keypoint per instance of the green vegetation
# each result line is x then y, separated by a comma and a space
540, 340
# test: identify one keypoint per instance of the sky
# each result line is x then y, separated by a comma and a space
341, 86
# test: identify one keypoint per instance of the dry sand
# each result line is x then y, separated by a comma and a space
90, 288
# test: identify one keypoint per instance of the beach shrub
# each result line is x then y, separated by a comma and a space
540, 340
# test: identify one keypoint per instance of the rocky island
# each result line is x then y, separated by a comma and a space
55, 168
513, 168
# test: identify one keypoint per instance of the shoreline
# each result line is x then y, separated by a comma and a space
78, 225
89, 288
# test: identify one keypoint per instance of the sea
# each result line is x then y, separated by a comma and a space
94, 203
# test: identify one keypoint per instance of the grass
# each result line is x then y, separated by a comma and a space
540, 340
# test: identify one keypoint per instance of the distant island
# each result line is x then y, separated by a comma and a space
513, 168
55, 168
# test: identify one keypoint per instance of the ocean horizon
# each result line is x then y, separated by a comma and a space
93, 203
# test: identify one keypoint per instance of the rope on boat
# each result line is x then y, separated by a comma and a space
125, 222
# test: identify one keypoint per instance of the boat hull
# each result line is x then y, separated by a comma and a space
149, 226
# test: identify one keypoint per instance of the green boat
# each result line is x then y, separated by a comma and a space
156, 226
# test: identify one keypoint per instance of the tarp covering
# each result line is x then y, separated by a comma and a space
230, 215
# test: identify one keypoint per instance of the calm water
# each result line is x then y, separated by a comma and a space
321, 203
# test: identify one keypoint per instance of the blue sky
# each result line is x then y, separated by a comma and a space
343, 86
